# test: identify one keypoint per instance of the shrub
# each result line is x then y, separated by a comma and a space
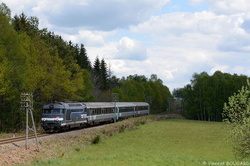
122, 128
77, 149
236, 112
96, 140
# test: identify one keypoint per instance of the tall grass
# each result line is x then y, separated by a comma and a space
165, 142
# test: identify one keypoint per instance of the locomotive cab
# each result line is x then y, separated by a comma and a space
52, 117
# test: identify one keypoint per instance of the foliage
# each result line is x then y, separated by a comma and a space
139, 88
31, 61
237, 112
83, 60
203, 99
5, 10
38, 61
96, 139
100, 77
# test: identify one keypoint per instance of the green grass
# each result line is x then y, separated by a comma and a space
168, 142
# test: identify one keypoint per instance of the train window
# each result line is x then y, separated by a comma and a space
143, 108
55, 111
47, 111
51, 111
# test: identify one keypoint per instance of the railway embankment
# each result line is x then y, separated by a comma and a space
61, 145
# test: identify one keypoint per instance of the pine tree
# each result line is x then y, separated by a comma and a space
22, 23
96, 79
83, 59
97, 67
104, 75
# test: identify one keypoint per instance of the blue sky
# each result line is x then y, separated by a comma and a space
170, 38
184, 6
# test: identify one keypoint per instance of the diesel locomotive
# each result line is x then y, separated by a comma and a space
61, 116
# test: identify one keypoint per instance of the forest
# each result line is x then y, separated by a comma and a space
205, 96
40, 62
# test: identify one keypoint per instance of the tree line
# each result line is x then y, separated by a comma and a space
204, 97
40, 62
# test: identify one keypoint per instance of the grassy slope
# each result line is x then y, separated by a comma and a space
168, 142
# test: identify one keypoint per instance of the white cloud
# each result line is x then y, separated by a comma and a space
127, 67
135, 39
97, 15
217, 67
225, 6
238, 69
91, 38
130, 49
169, 74
230, 6
184, 22
20, 6
195, 2
184, 43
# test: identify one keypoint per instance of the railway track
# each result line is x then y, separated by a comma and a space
31, 136
20, 138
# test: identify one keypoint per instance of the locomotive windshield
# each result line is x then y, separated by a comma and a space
51, 111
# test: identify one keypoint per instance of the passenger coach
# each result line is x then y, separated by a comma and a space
65, 115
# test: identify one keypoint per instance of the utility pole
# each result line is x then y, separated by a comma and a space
115, 98
27, 105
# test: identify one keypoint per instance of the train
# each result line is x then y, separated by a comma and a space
62, 116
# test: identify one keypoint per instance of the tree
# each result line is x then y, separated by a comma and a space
83, 59
237, 113
104, 75
139, 88
204, 97
29, 25
13, 61
5, 10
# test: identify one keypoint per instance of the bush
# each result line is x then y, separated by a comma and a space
96, 140
139, 122
77, 149
236, 112
122, 128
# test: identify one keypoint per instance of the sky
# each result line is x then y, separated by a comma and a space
170, 38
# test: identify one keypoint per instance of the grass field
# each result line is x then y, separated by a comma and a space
166, 142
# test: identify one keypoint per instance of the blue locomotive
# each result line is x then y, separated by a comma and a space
62, 116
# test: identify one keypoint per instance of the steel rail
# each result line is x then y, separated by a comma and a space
21, 138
